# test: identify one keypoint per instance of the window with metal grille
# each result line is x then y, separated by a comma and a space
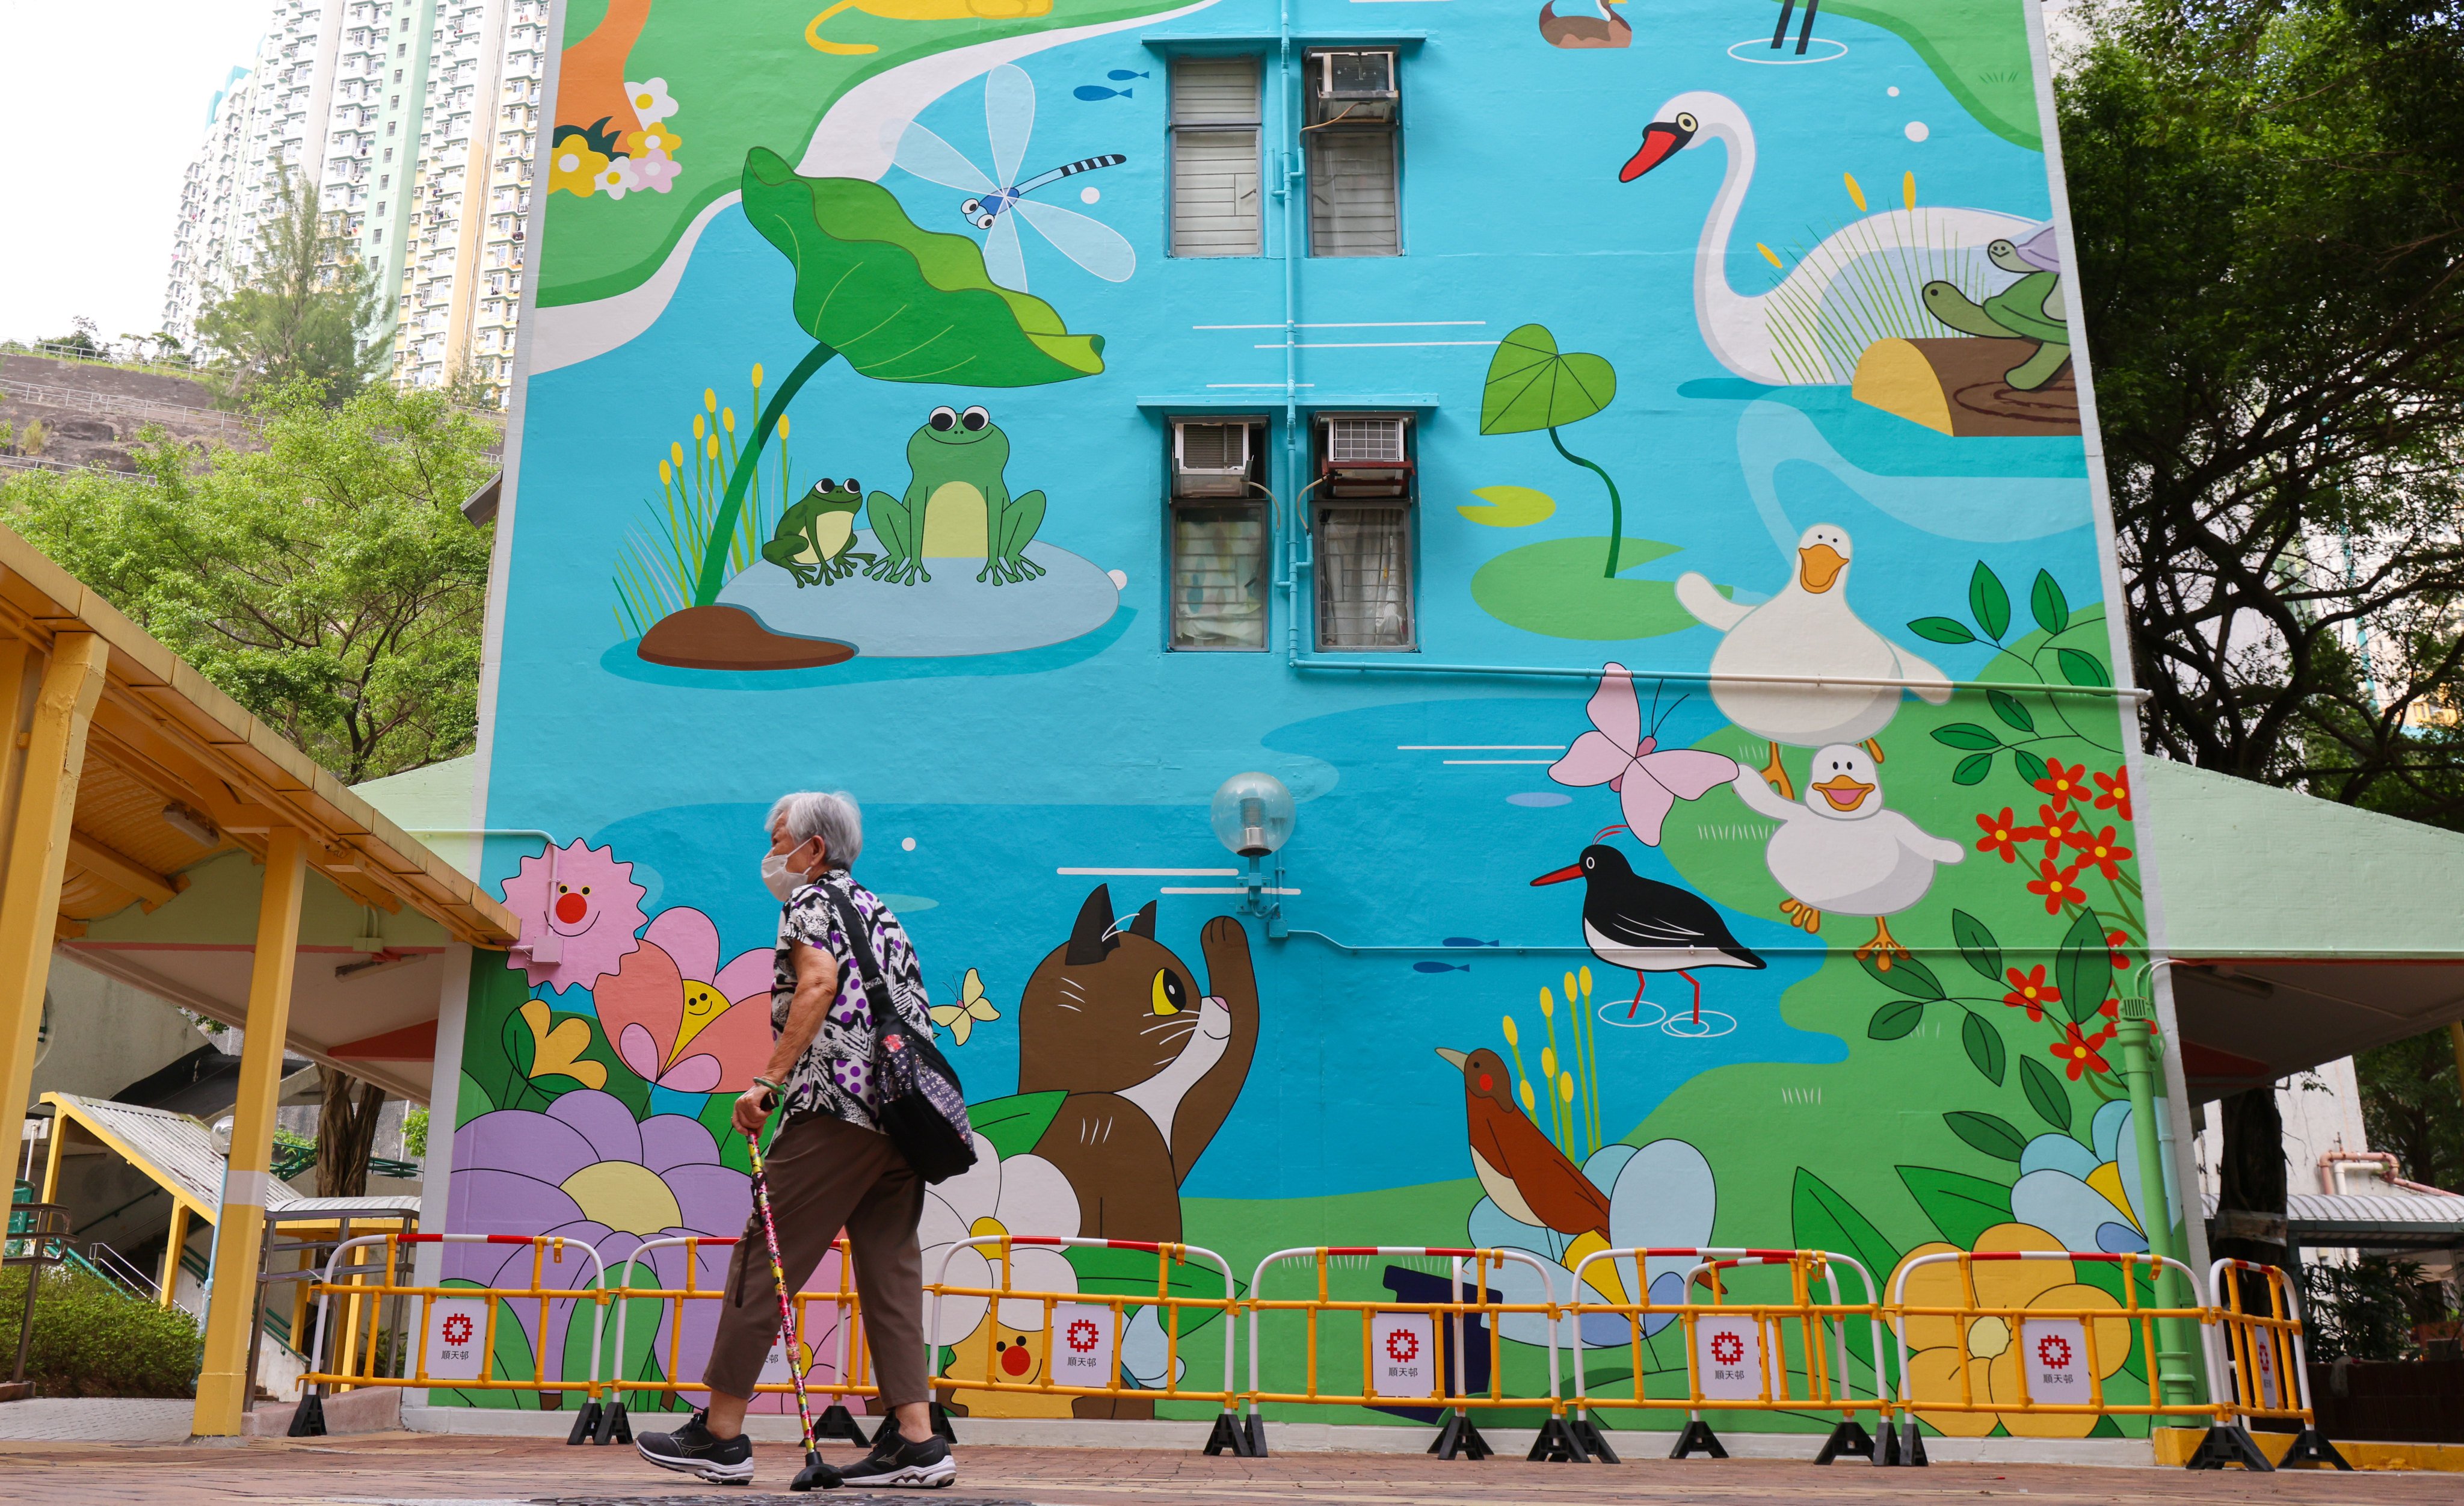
1364, 575
1352, 138
1214, 172
1218, 533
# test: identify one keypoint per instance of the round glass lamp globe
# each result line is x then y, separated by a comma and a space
1252, 814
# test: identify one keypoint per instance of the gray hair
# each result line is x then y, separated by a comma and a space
830, 815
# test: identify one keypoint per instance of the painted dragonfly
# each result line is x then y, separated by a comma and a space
995, 207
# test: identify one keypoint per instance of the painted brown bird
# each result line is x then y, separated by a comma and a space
1522, 1171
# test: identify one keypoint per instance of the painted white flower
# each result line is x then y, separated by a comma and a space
1023, 1195
649, 100
616, 179
1660, 1196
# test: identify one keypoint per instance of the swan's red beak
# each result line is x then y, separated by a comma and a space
1661, 140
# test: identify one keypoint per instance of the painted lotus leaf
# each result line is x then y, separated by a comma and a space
898, 302
1532, 387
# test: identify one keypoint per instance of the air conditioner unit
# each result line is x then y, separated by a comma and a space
1210, 459
1365, 455
1355, 76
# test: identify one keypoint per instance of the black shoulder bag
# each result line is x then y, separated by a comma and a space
916, 1098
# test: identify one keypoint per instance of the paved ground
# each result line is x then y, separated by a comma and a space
432, 1471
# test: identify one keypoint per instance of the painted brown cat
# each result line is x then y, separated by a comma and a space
1150, 1064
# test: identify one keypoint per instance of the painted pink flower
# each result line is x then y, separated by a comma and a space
678, 1019
655, 170
579, 909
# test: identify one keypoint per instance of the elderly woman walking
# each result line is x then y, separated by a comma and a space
830, 1167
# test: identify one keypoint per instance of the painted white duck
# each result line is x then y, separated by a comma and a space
1862, 282
1807, 631
1841, 851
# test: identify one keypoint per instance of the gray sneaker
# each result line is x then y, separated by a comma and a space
692, 1450
894, 1461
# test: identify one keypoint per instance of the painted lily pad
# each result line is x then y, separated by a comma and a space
1556, 590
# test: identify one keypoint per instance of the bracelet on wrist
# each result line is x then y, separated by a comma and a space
778, 1088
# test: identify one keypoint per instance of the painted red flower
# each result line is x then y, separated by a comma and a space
2113, 792
2058, 825
2029, 992
2115, 942
2099, 852
2078, 1053
2110, 1008
2055, 884
2063, 784
2002, 833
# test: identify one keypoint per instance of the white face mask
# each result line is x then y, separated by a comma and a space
782, 881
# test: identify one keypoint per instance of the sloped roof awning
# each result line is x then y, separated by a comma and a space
2304, 930
177, 791
177, 1153
2371, 1221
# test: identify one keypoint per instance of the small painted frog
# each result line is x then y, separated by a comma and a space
811, 541
956, 505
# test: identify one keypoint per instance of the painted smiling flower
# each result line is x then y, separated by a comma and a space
1987, 1348
579, 909
586, 1171
681, 1021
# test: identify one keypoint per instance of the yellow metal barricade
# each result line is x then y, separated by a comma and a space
614, 1424
1400, 1355
1737, 1353
1084, 1334
2267, 1364
2063, 1352
454, 1343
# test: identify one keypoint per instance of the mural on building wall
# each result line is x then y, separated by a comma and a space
1783, 393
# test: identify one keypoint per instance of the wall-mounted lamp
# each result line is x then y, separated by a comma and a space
1252, 815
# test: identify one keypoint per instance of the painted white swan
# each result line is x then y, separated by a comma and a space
1863, 284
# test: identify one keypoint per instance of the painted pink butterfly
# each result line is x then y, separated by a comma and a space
1649, 780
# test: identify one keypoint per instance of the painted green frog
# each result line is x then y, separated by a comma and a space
956, 505
811, 541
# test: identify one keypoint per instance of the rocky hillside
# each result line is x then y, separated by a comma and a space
90, 413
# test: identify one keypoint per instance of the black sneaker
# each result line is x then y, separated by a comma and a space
894, 1461
691, 1449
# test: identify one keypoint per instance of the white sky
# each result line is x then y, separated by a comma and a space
107, 106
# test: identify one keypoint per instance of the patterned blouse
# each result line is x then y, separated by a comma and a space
834, 1076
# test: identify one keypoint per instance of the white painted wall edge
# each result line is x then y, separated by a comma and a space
1025, 1433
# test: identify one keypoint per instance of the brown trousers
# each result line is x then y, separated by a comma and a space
826, 1174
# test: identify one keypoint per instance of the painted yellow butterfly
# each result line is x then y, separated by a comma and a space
972, 1006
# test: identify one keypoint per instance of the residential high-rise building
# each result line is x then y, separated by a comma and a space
416, 122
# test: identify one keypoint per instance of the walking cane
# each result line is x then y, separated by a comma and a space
815, 1475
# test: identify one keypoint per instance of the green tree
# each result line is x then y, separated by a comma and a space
305, 312
2410, 1105
329, 582
2268, 208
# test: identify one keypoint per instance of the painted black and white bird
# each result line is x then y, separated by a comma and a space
1646, 926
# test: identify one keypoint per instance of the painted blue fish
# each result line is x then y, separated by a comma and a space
1442, 967
1119, 74
1091, 92
1467, 941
